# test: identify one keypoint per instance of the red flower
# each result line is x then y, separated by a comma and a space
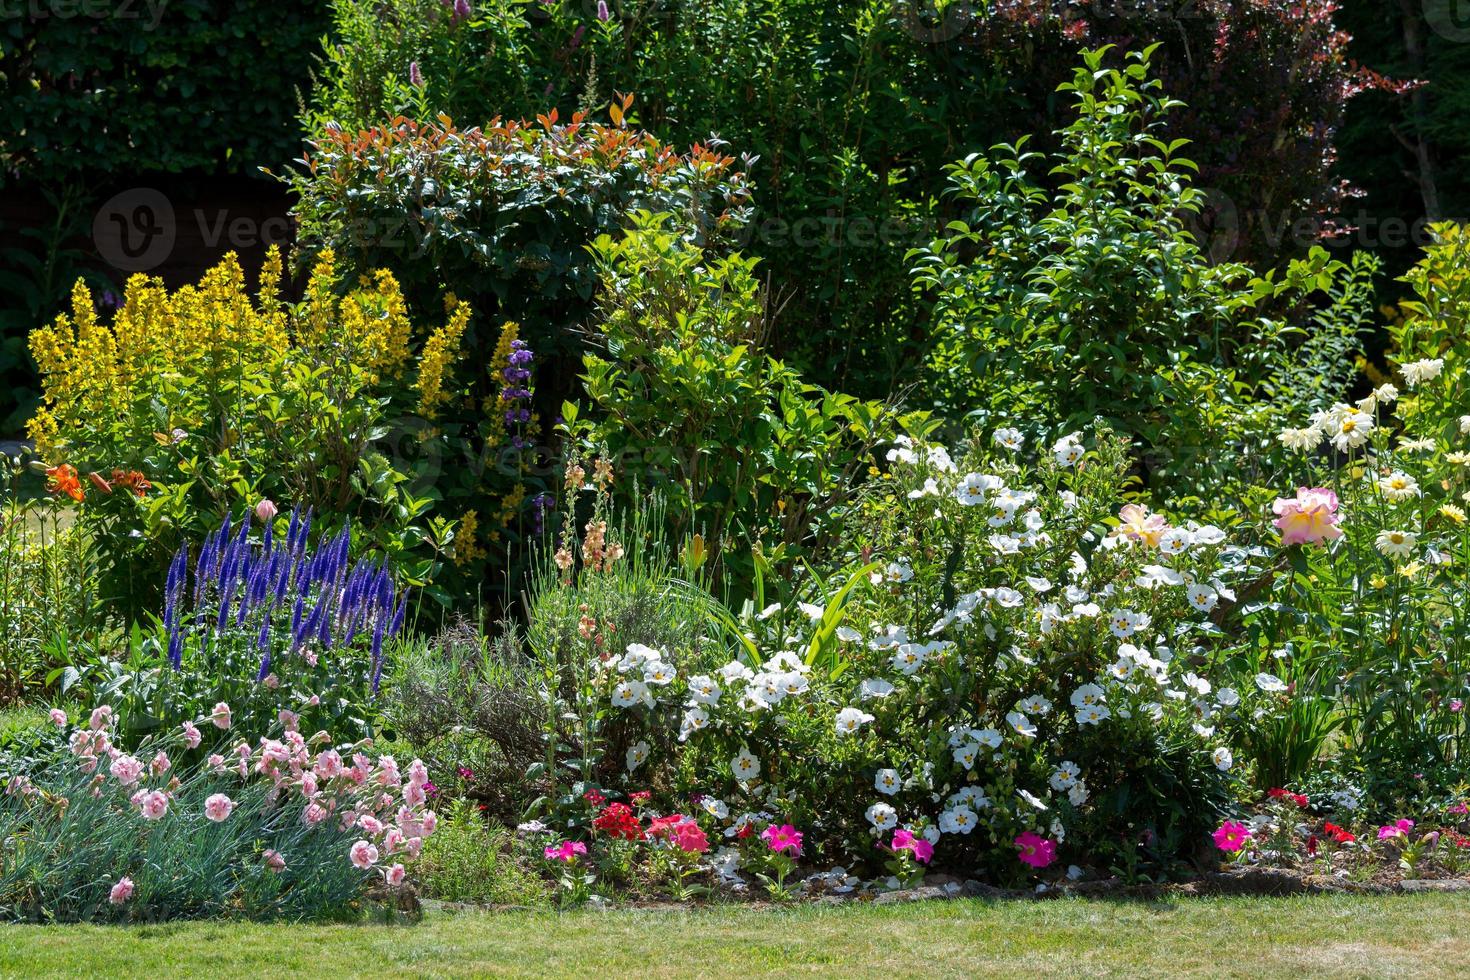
618, 820
1337, 833
63, 479
640, 797
594, 797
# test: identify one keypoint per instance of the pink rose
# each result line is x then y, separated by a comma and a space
266, 511
1309, 518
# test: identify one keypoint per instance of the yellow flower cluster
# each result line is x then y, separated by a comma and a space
499, 361
466, 548
440, 352
210, 338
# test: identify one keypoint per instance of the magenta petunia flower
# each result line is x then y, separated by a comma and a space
1036, 850
1232, 836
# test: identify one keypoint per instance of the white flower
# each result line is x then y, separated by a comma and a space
1068, 450
988, 737
848, 635
637, 657
1125, 622
1227, 697
887, 781
1398, 486
735, 671
694, 720
1223, 759
903, 451
1417, 372
704, 690
628, 693
1077, 793
1202, 597
849, 720
909, 657
658, 673
1033, 799
1348, 428
1270, 683
965, 755
1302, 440
637, 755
1065, 775
897, 572
1009, 439
874, 687
1400, 544
971, 796
1036, 705
745, 766
1122, 668
1209, 534
960, 820
1465, 425
973, 488
882, 816
1021, 723
1175, 541
715, 807
1197, 684
1086, 696
1093, 714
813, 611
793, 683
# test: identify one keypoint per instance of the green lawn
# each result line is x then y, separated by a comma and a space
1421, 935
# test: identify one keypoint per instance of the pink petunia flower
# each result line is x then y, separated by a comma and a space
1036, 850
1232, 836
566, 851
783, 838
1399, 828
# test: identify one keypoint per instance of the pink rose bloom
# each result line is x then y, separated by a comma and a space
126, 769
192, 738
121, 892
364, 855
1310, 518
154, 805
220, 716
101, 718
395, 876
218, 807
783, 838
1136, 524
266, 511
1456, 704
161, 763
58, 717
1036, 850
274, 861
1231, 836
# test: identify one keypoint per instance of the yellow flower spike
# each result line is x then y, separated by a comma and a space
439, 354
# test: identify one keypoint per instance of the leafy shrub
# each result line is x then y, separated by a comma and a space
1096, 300
469, 861
1001, 668
470, 707
188, 404
502, 214
684, 399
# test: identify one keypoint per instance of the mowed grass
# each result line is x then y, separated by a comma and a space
1421, 935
